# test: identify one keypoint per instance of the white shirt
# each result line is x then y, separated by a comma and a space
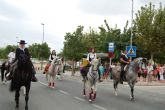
91, 56
11, 56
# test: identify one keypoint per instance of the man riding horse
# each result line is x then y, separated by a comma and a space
21, 50
124, 61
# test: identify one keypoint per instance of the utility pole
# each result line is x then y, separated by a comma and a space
42, 44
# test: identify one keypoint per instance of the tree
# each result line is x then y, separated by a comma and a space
150, 29
73, 46
39, 50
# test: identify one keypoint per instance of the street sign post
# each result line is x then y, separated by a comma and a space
111, 51
131, 51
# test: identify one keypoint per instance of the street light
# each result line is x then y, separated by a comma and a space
41, 48
43, 33
131, 26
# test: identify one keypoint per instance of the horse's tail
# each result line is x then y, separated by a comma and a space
12, 86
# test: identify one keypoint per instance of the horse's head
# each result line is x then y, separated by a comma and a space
54, 61
141, 62
95, 64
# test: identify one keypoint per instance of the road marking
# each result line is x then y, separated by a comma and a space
42, 83
80, 99
99, 107
64, 92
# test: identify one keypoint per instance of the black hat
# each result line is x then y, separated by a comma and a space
22, 42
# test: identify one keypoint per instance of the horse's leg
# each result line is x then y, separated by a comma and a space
84, 86
2, 74
49, 81
90, 95
53, 81
17, 94
27, 96
131, 84
115, 87
95, 89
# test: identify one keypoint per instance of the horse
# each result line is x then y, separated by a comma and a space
90, 77
131, 74
22, 75
54, 69
4, 71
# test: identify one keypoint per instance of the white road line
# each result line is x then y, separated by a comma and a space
42, 83
99, 107
64, 92
80, 99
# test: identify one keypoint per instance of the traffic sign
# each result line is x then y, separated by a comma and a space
131, 51
111, 47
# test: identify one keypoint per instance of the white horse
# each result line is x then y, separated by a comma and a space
54, 69
60, 75
91, 80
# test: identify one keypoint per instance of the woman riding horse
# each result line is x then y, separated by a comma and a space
51, 57
6, 64
19, 51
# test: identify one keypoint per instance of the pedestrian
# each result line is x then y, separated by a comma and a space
149, 72
158, 72
161, 72
101, 69
106, 72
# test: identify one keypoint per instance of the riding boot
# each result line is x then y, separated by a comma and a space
34, 79
121, 77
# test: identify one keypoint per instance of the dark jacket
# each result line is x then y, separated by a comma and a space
20, 51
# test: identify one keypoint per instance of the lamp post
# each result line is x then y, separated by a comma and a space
131, 26
41, 48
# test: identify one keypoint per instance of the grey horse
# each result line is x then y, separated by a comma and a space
131, 73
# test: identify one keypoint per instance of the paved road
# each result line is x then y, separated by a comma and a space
68, 96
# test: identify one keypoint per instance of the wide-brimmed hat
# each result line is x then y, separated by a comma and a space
22, 42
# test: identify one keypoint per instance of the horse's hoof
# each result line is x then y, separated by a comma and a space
116, 94
132, 99
26, 108
17, 106
84, 95
90, 100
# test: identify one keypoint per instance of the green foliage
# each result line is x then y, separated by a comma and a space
73, 46
39, 50
150, 30
36, 50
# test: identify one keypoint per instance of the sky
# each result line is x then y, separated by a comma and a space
22, 19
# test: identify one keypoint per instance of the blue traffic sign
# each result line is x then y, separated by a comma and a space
131, 51
111, 47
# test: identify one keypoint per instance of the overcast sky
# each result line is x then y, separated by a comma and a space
21, 19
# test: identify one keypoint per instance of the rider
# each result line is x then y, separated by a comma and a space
51, 57
11, 57
124, 61
91, 55
22, 50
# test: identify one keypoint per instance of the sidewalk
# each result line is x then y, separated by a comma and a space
77, 76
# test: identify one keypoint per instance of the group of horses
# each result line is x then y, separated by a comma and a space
90, 77
22, 74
